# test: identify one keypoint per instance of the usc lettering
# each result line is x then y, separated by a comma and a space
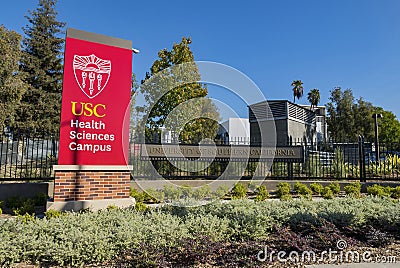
88, 109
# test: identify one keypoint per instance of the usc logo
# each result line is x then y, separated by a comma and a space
88, 109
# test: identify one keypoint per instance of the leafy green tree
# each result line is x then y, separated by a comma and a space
348, 118
297, 89
314, 97
12, 86
174, 101
134, 119
389, 126
340, 118
363, 121
41, 63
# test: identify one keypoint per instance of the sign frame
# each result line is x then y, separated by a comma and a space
293, 154
94, 127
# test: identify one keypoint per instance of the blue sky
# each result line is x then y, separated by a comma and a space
349, 43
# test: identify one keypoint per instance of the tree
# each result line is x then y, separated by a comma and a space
175, 101
363, 121
341, 115
297, 89
389, 126
42, 64
348, 118
12, 86
314, 97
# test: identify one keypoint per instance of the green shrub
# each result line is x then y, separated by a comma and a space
327, 193
98, 238
15, 202
252, 186
221, 191
352, 171
379, 191
313, 166
335, 187
283, 189
353, 189
51, 213
40, 199
286, 197
147, 196
317, 188
202, 192
302, 190
111, 207
141, 207
26, 207
297, 186
1, 205
239, 191
186, 191
338, 165
262, 194
396, 191
384, 167
172, 193
157, 196
25, 218
136, 194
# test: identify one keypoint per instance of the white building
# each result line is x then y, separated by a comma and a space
320, 122
235, 131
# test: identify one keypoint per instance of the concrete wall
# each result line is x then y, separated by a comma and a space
25, 189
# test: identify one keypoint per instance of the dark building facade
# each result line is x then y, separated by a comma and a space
292, 122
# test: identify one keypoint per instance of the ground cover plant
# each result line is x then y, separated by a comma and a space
316, 188
353, 189
302, 190
261, 194
222, 233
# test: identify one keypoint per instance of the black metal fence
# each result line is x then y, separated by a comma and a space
27, 156
322, 160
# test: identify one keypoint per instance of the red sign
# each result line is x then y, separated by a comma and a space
95, 100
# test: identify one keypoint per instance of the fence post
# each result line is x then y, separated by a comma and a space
361, 157
290, 164
53, 148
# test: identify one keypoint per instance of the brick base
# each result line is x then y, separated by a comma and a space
91, 185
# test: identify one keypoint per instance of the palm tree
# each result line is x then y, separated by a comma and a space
314, 97
297, 89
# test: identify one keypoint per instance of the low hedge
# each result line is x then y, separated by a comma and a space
77, 239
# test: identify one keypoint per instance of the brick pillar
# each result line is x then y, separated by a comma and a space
82, 186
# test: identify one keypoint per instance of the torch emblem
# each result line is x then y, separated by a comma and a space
91, 74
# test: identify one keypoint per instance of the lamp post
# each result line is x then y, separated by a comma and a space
376, 116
